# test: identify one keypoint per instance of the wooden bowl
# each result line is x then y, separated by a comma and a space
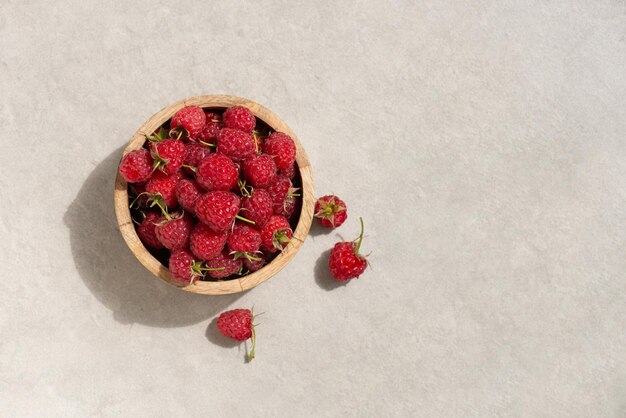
127, 228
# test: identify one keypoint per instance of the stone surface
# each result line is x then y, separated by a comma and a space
484, 143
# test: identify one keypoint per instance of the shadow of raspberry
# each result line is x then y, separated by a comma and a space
111, 271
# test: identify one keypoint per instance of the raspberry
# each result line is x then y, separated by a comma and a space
218, 209
289, 172
237, 325
174, 232
288, 207
211, 128
164, 185
206, 243
187, 192
278, 190
181, 266
259, 170
235, 144
146, 233
136, 166
194, 153
331, 211
282, 148
345, 262
276, 234
239, 117
217, 172
258, 207
244, 241
255, 265
191, 118
168, 155
223, 265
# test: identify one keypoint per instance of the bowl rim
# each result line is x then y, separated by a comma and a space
125, 222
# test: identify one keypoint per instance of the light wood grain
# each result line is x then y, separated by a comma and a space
127, 228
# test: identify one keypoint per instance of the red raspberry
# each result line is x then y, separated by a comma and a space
244, 241
279, 190
181, 266
223, 265
194, 153
174, 233
168, 155
187, 192
331, 211
255, 265
191, 118
239, 117
217, 172
136, 166
288, 207
146, 233
164, 185
258, 207
259, 170
237, 324
235, 144
345, 262
206, 243
218, 209
289, 172
211, 128
276, 234
282, 148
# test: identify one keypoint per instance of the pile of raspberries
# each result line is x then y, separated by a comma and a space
215, 196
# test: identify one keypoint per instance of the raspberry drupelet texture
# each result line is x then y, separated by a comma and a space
194, 153
206, 243
187, 192
258, 207
237, 324
164, 185
235, 143
282, 148
180, 266
244, 241
217, 172
168, 155
345, 262
191, 118
174, 233
259, 170
218, 209
276, 234
224, 265
136, 166
211, 128
289, 172
146, 233
255, 265
239, 117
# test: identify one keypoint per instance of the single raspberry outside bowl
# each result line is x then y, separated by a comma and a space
303, 221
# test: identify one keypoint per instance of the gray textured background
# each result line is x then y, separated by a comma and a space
483, 142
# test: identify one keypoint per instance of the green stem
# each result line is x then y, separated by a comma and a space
358, 244
158, 201
251, 354
241, 218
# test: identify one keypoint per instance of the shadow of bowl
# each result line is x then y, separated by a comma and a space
113, 274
